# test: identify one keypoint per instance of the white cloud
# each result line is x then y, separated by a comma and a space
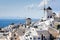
29, 6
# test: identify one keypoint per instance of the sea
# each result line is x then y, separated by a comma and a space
6, 22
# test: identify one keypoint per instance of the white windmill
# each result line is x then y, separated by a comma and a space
47, 11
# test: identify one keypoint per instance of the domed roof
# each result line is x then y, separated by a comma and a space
49, 8
28, 18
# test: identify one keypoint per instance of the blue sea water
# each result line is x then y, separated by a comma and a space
6, 22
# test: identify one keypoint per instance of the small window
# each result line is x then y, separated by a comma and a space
50, 24
14, 34
11, 38
58, 26
23, 32
27, 39
30, 38
38, 38
0, 28
26, 35
15, 38
35, 26
50, 16
34, 38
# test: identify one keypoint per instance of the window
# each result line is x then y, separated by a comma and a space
26, 35
0, 28
50, 24
27, 39
14, 35
58, 26
50, 16
30, 38
23, 32
34, 38
38, 38
11, 38
35, 26
15, 38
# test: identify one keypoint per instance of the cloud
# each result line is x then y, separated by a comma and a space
44, 2
29, 6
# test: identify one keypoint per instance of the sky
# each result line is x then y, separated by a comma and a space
26, 8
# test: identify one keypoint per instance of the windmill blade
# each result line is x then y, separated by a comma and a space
43, 9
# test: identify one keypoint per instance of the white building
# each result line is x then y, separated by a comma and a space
34, 34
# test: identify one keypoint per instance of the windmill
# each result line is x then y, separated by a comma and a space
46, 9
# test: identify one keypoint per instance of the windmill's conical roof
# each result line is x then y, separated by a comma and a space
49, 8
